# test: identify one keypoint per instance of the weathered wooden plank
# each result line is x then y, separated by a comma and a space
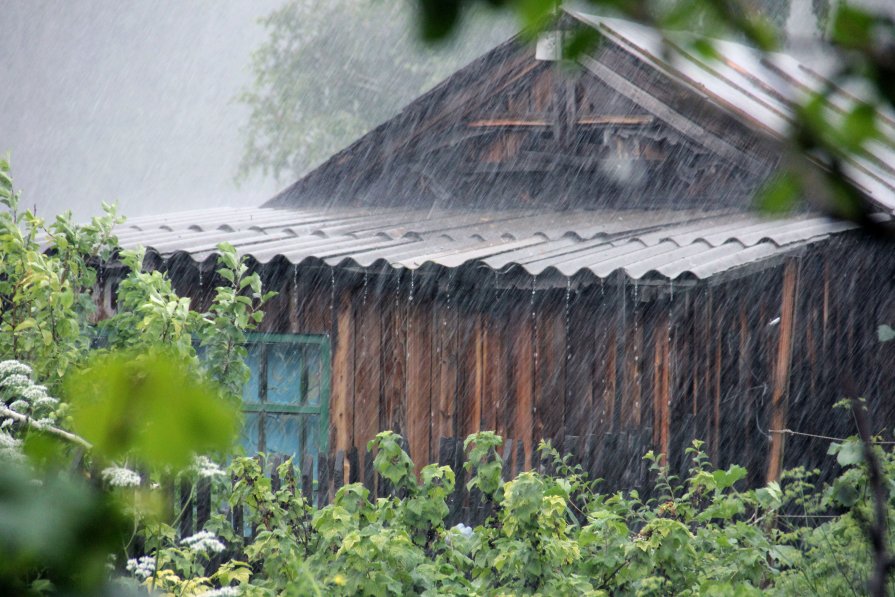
339, 467
782, 369
307, 477
494, 397
324, 471
550, 366
354, 467
581, 410
521, 324
341, 410
444, 363
419, 376
394, 356
368, 366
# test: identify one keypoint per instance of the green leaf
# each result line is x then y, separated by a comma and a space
853, 27
149, 404
850, 452
780, 195
860, 125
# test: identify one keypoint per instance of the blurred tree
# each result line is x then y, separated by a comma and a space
330, 72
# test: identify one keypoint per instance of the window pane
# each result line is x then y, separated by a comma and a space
313, 375
252, 390
281, 433
249, 437
283, 373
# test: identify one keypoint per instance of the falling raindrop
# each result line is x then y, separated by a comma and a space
332, 293
534, 329
294, 288
366, 280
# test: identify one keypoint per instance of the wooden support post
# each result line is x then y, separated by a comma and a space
781, 369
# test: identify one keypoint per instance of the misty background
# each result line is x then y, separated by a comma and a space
137, 102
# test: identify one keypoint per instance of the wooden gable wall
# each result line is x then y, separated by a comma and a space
511, 131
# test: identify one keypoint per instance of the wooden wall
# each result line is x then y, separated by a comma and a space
443, 355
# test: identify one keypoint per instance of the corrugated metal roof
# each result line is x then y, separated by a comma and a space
642, 244
763, 89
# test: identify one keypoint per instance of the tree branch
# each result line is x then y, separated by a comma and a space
60, 433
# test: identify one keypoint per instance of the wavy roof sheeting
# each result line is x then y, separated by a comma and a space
642, 244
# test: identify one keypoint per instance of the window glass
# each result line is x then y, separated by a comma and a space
287, 396
284, 373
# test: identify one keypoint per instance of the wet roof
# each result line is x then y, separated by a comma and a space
763, 89
667, 245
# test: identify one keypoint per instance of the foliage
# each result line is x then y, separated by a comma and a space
701, 535
48, 295
83, 404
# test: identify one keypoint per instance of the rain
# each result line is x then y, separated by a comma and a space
623, 253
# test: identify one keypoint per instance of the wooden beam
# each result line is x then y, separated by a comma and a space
419, 378
523, 365
675, 119
342, 399
522, 122
368, 368
781, 369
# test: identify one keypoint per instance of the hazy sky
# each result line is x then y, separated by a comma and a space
128, 101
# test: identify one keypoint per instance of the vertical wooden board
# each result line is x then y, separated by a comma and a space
294, 301
633, 355
419, 377
523, 365
580, 407
468, 404
621, 315
647, 315
444, 367
664, 393
316, 300
603, 329
494, 367
480, 413
368, 372
550, 366
782, 369
275, 277
342, 398
507, 338
393, 356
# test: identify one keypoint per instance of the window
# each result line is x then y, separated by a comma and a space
286, 400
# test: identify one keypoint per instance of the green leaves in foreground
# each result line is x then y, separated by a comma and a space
149, 405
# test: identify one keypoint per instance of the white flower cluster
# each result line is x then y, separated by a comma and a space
463, 529
206, 468
15, 381
222, 592
23, 395
203, 542
10, 448
12, 367
117, 476
142, 568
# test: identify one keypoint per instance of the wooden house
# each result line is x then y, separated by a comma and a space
564, 252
